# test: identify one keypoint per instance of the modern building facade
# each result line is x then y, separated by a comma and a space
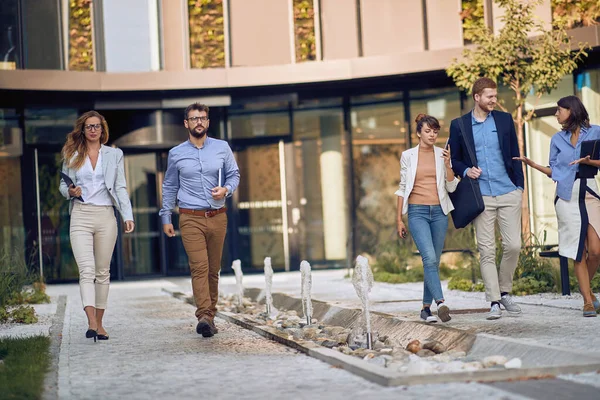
315, 97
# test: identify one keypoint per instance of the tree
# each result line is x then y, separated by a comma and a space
525, 57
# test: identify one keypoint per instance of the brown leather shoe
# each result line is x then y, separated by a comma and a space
204, 327
589, 310
213, 326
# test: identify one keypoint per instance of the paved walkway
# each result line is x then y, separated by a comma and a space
154, 353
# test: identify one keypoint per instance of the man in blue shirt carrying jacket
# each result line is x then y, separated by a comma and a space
201, 173
491, 136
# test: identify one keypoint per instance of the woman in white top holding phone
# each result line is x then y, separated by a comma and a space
426, 177
99, 185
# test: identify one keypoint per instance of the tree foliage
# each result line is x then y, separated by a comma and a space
576, 13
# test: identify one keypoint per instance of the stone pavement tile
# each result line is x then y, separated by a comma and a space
154, 353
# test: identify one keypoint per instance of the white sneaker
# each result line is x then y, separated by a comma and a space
510, 305
495, 312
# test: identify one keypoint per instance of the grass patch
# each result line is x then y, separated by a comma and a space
25, 362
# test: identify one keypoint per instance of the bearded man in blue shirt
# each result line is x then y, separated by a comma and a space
491, 136
201, 173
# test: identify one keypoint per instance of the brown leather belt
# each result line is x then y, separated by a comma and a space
203, 213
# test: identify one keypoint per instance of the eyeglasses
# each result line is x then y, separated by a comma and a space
196, 119
93, 127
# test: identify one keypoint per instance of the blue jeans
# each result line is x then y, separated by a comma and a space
428, 226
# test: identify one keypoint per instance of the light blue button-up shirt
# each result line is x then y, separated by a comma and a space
562, 152
494, 180
191, 174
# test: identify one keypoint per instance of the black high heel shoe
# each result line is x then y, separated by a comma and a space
102, 337
90, 333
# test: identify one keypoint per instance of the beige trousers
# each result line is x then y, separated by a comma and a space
93, 236
505, 209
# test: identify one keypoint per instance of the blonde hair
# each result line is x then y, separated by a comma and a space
77, 143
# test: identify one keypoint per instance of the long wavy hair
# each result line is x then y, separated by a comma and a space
75, 149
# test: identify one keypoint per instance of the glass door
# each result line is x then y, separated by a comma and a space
141, 249
261, 228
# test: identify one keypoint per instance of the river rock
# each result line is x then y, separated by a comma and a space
329, 343
391, 342
310, 333
379, 361
414, 346
341, 338
472, 366
333, 331
434, 345
492, 361
425, 353
513, 363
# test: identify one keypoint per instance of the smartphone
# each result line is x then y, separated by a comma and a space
447, 141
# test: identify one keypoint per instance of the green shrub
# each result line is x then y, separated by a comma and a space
23, 315
3, 315
32, 295
530, 285
458, 283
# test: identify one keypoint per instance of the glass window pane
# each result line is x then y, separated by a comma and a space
588, 90
141, 248
10, 54
316, 188
59, 263
260, 221
10, 133
131, 44
42, 36
258, 125
304, 30
48, 126
444, 104
81, 46
12, 230
378, 140
207, 33
539, 132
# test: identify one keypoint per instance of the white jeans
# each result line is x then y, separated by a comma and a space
93, 236
505, 209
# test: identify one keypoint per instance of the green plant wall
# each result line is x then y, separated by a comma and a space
207, 33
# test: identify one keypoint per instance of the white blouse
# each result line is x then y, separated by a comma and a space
93, 188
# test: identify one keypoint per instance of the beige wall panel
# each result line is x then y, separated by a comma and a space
444, 27
175, 37
339, 29
391, 26
260, 32
543, 11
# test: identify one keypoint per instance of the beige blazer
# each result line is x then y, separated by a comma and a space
114, 179
408, 172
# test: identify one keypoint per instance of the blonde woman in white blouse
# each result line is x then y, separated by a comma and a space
98, 187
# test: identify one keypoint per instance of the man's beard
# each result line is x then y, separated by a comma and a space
197, 135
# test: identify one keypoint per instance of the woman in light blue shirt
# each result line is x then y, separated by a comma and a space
577, 200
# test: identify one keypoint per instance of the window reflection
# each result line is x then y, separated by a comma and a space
378, 140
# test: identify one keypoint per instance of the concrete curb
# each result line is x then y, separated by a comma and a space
51, 379
388, 325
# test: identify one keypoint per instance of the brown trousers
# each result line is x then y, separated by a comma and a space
203, 240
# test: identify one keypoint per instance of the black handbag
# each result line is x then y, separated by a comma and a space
467, 199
